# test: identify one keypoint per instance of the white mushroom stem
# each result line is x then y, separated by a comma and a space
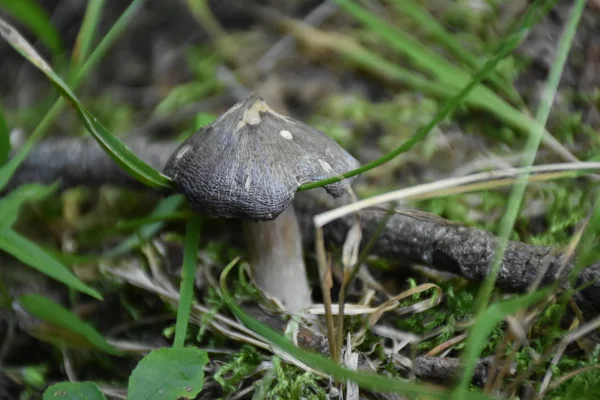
276, 260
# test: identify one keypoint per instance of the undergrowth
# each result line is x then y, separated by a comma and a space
369, 120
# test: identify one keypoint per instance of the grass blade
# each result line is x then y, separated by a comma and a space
29, 253
186, 291
108, 40
481, 97
86, 35
421, 55
10, 205
31, 15
316, 361
518, 191
510, 43
55, 314
120, 153
431, 26
8, 169
518, 119
589, 247
164, 207
105, 44
480, 332
4, 139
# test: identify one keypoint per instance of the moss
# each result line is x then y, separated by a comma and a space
585, 385
293, 383
456, 307
567, 205
237, 369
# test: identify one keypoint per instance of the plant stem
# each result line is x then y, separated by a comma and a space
186, 290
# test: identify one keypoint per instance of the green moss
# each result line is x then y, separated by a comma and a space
456, 307
567, 205
293, 383
239, 367
585, 385
215, 300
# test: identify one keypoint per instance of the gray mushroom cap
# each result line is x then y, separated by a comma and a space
250, 162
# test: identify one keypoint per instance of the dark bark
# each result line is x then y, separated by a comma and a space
409, 236
423, 238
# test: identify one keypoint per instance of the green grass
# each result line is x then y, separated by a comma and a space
454, 85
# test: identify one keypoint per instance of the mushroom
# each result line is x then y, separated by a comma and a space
248, 164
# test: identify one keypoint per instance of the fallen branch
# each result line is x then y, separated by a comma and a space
426, 239
410, 236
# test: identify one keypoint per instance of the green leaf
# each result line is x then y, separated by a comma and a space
511, 116
11, 204
58, 316
74, 391
183, 94
168, 374
430, 25
484, 325
86, 34
363, 379
29, 253
30, 14
103, 47
481, 96
186, 291
119, 152
4, 139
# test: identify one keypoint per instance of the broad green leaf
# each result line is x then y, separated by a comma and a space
168, 374
31, 15
58, 316
11, 204
29, 253
164, 207
186, 291
74, 391
119, 152
367, 380
4, 139
484, 325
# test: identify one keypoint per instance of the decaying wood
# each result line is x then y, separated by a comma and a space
411, 237
422, 238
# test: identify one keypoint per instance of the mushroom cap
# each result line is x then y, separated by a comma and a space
250, 162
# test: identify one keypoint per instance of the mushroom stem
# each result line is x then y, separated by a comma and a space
276, 260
